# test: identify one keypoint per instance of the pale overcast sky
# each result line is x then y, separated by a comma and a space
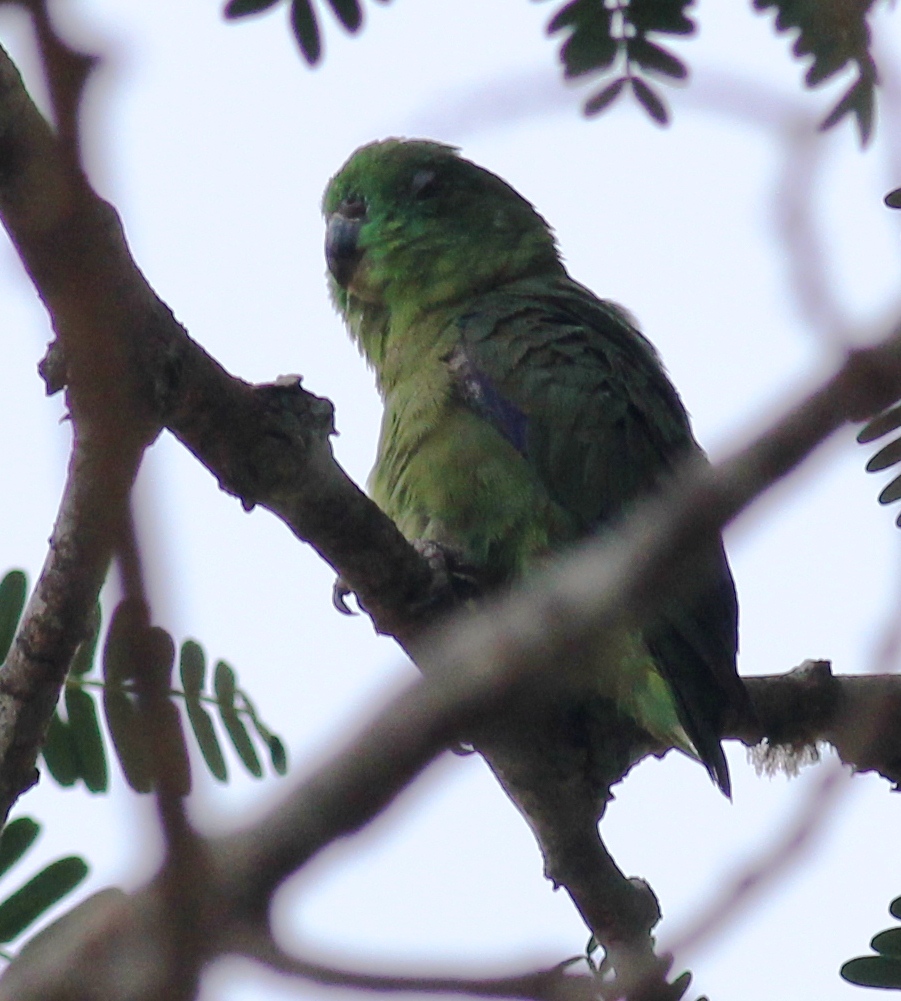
215, 141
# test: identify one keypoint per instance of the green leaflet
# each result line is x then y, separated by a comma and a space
119, 706
224, 684
650, 101
306, 30
233, 704
39, 894
75, 748
665, 16
650, 56
202, 725
888, 420
873, 971
888, 943
17, 837
348, 12
125, 730
83, 660
595, 105
241, 8
889, 455
59, 752
131, 647
278, 754
13, 590
884, 969
87, 741
590, 45
859, 102
193, 676
192, 668
169, 738
885, 457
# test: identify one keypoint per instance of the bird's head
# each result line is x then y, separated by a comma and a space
412, 224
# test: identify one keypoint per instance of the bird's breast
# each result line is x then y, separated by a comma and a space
446, 474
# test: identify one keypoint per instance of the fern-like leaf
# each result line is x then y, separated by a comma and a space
834, 34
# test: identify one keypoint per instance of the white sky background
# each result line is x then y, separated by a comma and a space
215, 141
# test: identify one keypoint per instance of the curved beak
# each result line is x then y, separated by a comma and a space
341, 251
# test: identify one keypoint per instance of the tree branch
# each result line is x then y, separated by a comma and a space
859, 715
41, 193
553, 984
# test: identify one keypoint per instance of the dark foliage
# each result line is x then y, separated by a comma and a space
25, 905
612, 38
75, 747
834, 33
304, 20
884, 969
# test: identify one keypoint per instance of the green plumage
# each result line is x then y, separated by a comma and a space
521, 412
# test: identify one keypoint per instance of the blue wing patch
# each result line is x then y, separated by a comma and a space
480, 393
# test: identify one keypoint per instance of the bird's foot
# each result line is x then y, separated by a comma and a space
340, 591
452, 578
452, 581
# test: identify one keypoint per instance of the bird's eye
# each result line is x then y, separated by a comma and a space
353, 207
424, 183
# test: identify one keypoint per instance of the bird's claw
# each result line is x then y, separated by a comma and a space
451, 579
450, 575
340, 591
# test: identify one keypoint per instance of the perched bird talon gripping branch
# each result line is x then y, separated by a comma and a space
340, 592
522, 413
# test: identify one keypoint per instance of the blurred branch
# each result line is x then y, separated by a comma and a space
62, 232
552, 984
42, 194
809, 279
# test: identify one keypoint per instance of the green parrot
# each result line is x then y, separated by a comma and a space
521, 412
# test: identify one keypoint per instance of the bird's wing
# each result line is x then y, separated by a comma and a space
572, 384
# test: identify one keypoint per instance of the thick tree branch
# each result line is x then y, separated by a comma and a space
859, 715
41, 194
